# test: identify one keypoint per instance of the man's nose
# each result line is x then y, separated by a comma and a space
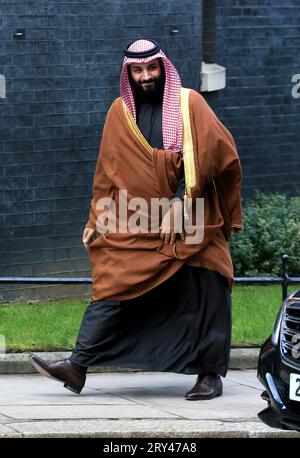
146, 75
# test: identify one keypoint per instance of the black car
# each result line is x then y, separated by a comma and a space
279, 368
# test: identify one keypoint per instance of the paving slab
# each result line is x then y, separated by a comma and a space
33, 390
238, 402
140, 404
83, 411
245, 377
8, 432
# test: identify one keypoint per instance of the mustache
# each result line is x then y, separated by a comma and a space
148, 81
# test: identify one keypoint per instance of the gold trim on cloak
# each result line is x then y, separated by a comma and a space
135, 130
187, 147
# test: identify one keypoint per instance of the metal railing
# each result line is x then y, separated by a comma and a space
284, 279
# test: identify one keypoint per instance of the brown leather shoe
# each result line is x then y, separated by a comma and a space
62, 371
208, 386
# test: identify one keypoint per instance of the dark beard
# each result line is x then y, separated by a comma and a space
153, 94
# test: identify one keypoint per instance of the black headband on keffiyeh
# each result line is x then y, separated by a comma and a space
142, 51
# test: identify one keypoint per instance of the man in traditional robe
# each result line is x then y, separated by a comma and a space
158, 302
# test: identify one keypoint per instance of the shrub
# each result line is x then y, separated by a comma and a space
272, 227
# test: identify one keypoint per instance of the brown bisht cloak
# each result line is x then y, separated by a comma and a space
126, 265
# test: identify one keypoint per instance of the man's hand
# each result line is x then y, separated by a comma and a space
88, 236
172, 223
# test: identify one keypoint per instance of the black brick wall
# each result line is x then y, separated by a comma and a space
60, 81
62, 78
258, 42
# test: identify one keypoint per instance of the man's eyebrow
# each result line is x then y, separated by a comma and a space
140, 66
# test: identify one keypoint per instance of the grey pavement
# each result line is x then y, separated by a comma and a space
131, 404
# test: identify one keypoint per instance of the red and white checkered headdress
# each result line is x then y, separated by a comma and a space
142, 51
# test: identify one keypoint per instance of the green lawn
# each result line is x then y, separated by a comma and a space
254, 309
53, 325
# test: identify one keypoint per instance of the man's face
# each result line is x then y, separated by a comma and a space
147, 76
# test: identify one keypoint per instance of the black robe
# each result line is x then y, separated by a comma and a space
149, 121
